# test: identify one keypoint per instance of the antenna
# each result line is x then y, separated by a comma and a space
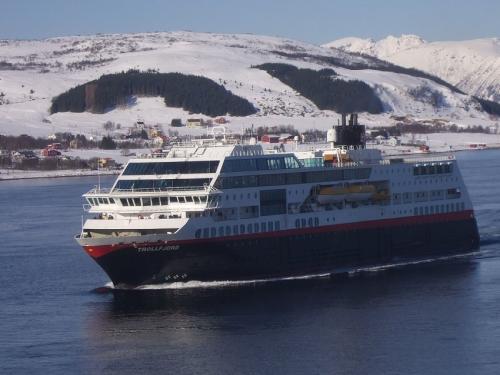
98, 175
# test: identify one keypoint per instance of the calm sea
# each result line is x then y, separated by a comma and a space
438, 318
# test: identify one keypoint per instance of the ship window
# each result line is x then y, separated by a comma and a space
213, 232
228, 231
249, 228
111, 200
235, 229
124, 202
221, 231
263, 227
101, 201
277, 225
421, 210
174, 199
302, 223
130, 201
146, 201
270, 226
183, 167
197, 234
426, 210
182, 200
242, 229
137, 201
316, 222
155, 201
205, 232
310, 222
272, 202
203, 198
196, 200
189, 199
256, 227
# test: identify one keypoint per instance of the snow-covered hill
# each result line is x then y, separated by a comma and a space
472, 65
33, 72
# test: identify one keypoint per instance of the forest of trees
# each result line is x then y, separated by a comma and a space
192, 93
488, 106
327, 93
491, 107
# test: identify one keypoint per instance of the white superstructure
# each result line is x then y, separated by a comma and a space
209, 190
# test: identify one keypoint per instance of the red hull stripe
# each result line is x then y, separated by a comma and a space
98, 251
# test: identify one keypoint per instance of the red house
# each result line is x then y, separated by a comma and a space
270, 138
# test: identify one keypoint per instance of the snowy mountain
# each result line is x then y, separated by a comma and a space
472, 65
33, 72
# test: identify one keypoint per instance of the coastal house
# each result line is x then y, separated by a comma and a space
270, 138
194, 122
176, 123
50, 153
220, 120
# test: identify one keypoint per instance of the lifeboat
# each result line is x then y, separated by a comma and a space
339, 193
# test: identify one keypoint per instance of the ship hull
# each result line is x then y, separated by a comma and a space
298, 252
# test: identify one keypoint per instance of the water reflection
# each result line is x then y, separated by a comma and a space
336, 324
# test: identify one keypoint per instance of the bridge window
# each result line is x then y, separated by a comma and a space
178, 167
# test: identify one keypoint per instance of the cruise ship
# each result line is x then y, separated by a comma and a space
214, 211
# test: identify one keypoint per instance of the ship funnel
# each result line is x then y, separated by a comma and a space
350, 136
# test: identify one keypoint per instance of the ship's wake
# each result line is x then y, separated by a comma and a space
240, 283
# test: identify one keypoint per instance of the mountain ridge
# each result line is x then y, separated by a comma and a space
34, 72
472, 65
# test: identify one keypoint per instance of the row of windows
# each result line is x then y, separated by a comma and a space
326, 175
439, 209
260, 164
233, 230
161, 184
100, 201
441, 168
161, 201
175, 167
311, 222
424, 196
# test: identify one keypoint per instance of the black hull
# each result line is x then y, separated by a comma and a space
291, 253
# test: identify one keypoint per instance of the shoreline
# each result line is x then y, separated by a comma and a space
19, 174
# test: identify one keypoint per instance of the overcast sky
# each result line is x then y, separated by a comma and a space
316, 21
